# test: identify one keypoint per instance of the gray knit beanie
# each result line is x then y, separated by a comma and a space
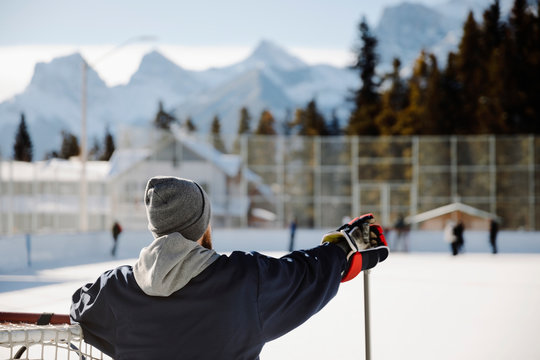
176, 205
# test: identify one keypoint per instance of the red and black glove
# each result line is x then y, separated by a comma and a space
363, 242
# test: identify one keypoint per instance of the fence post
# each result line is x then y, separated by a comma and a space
415, 177
243, 181
10, 220
454, 191
317, 187
28, 249
492, 175
354, 177
532, 199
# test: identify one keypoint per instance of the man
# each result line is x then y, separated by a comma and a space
116, 230
493, 231
182, 300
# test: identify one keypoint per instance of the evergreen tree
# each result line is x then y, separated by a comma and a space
244, 127
95, 150
23, 148
266, 124
189, 125
491, 38
109, 146
520, 24
469, 62
412, 119
397, 95
163, 120
70, 146
215, 134
492, 30
502, 94
310, 121
394, 100
366, 99
433, 121
524, 109
287, 124
534, 66
451, 101
334, 128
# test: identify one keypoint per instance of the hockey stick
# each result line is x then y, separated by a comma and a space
366, 315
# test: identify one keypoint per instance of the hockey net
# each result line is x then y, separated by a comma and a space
43, 336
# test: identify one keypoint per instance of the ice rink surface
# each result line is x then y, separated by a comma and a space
425, 304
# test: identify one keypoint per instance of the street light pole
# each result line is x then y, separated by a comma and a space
83, 185
83, 207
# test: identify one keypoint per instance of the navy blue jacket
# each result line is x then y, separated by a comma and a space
229, 311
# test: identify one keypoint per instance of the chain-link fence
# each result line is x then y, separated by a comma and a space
316, 180
321, 179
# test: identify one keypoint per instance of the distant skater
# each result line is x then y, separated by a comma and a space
292, 234
458, 232
493, 230
450, 237
402, 232
116, 230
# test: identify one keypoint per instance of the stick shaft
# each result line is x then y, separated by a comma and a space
366, 315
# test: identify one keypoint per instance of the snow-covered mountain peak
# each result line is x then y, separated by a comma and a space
155, 64
405, 29
63, 74
155, 58
268, 54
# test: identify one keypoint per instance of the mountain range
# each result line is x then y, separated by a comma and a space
269, 78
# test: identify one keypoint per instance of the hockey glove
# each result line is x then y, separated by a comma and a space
363, 242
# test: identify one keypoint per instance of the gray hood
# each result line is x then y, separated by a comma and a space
169, 263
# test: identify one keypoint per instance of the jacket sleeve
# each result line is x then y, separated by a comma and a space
90, 308
296, 286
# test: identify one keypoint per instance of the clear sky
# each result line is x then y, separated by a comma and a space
196, 34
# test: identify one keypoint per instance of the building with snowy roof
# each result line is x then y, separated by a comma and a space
46, 195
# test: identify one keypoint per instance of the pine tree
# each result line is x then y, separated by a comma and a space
215, 134
489, 101
433, 120
525, 110
412, 119
266, 124
189, 125
70, 146
334, 128
451, 100
23, 148
502, 95
534, 66
492, 30
468, 64
287, 124
366, 99
244, 127
163, 120
393, 100
516, 83
310, 121
95, 150
109, 146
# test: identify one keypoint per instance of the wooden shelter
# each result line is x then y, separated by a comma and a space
473, 218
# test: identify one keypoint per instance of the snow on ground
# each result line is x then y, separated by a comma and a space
425, 304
